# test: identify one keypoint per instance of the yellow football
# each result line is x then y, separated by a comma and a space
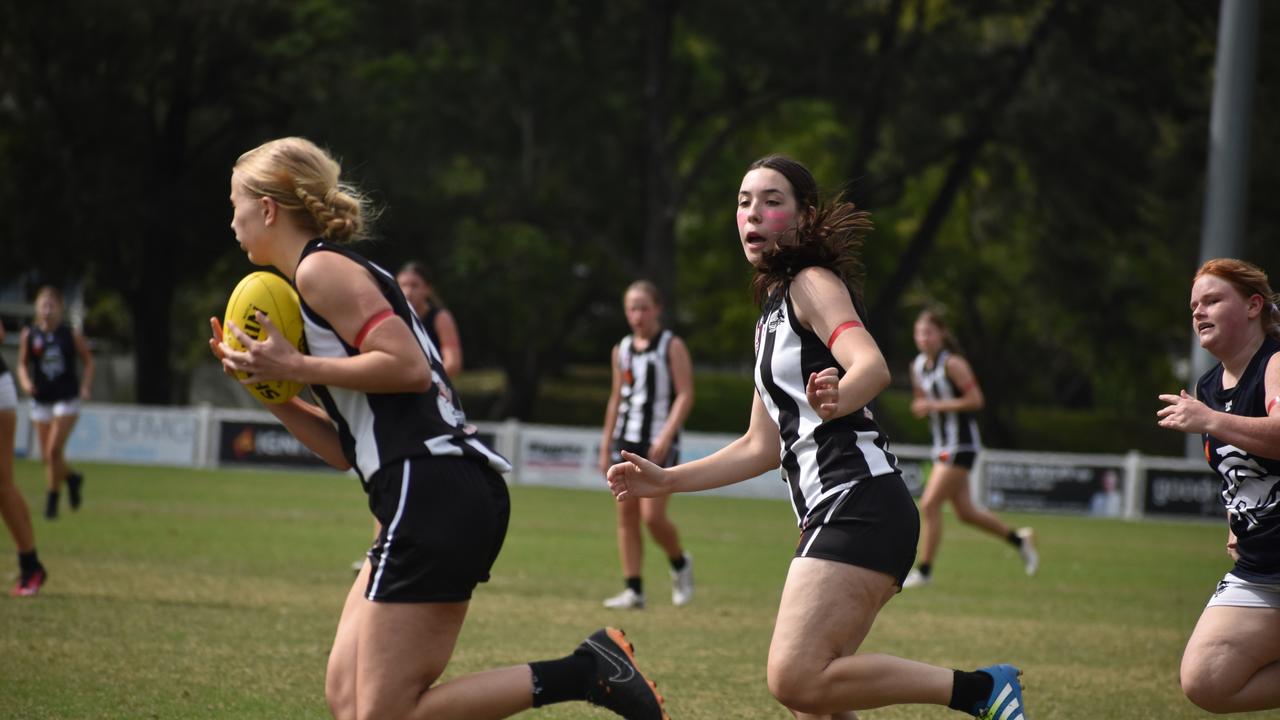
274, 297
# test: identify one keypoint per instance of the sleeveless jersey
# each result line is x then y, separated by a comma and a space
429, 323
647, 389
953, 432
377, 429
1250, 483
51, 364
819, 460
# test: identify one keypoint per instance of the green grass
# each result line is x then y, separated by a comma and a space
214, 594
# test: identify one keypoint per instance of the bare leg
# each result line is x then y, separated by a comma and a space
12, 507
387, 656
630, 543
940, 488
813, 668
1232, 661
654, 513
44, 434
972, 514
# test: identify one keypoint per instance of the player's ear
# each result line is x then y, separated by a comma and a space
270, 210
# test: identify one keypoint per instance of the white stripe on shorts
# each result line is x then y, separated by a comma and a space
391, 533
835, 505
1237, 592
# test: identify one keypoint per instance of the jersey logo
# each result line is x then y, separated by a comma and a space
1229, 402
1248, 492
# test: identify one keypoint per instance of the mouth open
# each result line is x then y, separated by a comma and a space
755, 239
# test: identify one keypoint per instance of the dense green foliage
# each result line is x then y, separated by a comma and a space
215, 594
1037, 167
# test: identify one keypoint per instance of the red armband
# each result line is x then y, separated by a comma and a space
841, 328
373, 322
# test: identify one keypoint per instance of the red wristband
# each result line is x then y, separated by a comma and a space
373, 322
841, 328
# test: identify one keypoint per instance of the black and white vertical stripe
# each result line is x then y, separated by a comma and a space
819, 460
647, 389
377, 429
953, 432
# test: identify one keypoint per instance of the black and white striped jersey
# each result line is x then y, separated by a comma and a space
377, 429
953, 432
648, 389
819, 460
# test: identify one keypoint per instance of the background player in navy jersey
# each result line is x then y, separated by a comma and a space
817, 367
1232, 661
946, 391
650, 399
415, 280
47, 369
31, 574
390, 414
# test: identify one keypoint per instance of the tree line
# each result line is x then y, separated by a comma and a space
1035, 167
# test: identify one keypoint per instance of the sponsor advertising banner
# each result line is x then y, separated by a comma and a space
1183, 492
1026, 485
149, 436
249, 442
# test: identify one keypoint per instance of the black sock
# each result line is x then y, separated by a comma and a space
1013, 538
678, 564
635, 583
28, 563
51, 504
925, 569
968, 689
560, 680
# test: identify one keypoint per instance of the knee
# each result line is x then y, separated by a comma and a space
796, 689
930, 507
340, 694
629, 514
1204, 687
653, 519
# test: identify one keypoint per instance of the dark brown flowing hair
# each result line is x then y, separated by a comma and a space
826, 235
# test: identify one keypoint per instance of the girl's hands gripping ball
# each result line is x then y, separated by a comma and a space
251, 343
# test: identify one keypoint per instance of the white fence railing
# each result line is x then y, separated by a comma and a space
1129, 486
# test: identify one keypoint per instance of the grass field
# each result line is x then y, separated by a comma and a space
214, 594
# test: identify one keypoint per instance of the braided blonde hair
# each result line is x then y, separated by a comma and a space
304, 180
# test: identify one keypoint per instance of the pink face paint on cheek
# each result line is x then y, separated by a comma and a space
742, 218
777, 220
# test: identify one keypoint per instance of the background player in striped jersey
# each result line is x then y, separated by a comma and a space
651, 396
31, 574
1232, 661
817, 367
947, 392
389, 413
47, 370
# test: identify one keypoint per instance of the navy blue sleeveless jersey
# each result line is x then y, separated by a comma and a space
51, 364
429, 323
377, 429
647, 390
1250, 483
819, 459
953, 432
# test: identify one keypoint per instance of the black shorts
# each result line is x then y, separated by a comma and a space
875, 526
642, 449
443, 522
962, 459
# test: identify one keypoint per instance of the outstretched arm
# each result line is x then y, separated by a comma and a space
754, 453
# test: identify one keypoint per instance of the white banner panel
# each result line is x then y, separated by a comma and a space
134, 434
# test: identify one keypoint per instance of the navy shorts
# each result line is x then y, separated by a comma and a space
443, 522
874, 525
642, 449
